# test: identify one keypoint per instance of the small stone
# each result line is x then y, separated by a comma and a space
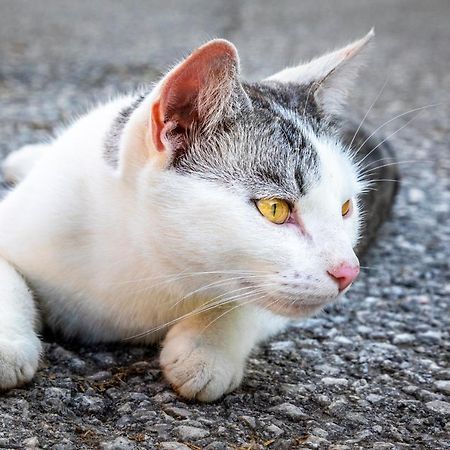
274, 430
289, 410
104, 360
439, 407
121, 443
281, 345
123, 421
443, 385
186, 432
430, 337
342, 340
331, 381
319, 432
100, 376
416, 195
89, 403
125, 408
57, 397
374, 398
339, 447
427, 396
338, 407
65, 444
173, 446
404, 338
323, 400
327, 369
216, 445
410, 389
138, 396
178, 413
316, 442
360, 385
356, 418
250, 421
31, 443
443, 374
164, 397
144, 415
362, 329
142, 365
161, 429
382, 446
429, 364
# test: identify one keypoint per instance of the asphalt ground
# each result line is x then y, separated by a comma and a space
373, 371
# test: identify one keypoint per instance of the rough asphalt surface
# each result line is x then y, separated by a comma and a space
370, 372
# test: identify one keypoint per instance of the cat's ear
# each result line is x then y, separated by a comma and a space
194, 95
191, 98
330, 77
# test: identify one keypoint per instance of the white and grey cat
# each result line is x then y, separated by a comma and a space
206, 212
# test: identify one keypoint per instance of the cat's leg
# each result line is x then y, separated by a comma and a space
19, 163
204, 356
20, 347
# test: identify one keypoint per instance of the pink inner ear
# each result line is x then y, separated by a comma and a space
157, 126
184, 95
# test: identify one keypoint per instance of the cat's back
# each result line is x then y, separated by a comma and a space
54, 202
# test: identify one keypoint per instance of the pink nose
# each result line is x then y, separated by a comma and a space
344, 274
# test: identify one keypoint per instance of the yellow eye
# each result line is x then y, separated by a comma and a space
346, 207
274, 209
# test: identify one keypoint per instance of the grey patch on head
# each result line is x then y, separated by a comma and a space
263, 147
113, 136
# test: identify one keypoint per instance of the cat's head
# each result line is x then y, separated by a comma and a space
248, 183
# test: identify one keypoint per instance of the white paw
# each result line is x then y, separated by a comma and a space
19, 358
197, 370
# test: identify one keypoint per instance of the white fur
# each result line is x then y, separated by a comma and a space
112, 254
19, 163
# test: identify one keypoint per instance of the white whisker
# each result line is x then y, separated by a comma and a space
388, 122
215, 284
395, 163
253, 300
388, 137
368, 111
203, 308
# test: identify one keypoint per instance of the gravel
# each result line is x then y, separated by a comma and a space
372, 371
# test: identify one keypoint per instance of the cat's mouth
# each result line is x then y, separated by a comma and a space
295, 308
295, 296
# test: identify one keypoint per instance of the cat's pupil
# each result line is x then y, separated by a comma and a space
274, 209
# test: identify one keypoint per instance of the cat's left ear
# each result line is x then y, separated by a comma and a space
194, 95
191, 98
329, 77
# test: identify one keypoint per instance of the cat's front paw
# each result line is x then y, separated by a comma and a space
19, 359
198, 370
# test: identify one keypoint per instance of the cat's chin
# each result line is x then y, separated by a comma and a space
294, 310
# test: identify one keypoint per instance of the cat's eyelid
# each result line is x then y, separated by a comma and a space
291, 203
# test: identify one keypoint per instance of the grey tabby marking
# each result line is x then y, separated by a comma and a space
262, 147
112, 139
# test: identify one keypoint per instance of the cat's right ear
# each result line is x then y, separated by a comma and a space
329, 78
191, 98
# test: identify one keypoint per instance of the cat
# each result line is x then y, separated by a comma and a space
205, 213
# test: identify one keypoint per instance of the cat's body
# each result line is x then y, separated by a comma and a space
143, 212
